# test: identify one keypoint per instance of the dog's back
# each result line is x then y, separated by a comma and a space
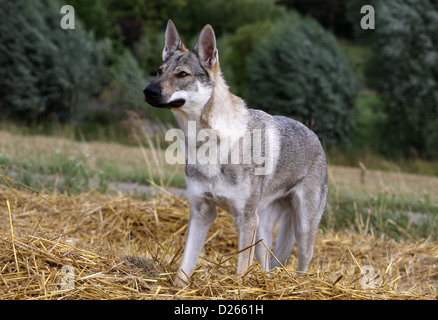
300, 154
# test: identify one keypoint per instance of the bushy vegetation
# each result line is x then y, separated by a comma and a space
404, 72
269, 53
299, 71
236, 52
45, 71
331, 14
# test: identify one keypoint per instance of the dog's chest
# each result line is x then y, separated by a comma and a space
227, 188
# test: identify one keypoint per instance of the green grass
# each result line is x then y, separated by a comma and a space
353, 157
66, 165
384, 214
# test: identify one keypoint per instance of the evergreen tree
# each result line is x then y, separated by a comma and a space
45, 71
300, 72
404, 71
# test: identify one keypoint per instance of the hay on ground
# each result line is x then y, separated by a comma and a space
118, 247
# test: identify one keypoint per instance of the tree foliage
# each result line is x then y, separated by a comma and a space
95, 16
225, 16
45, 71
332, 14
300, 72
234, 55
404, 71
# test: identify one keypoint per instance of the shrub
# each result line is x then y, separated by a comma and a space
299, 71
148, 52
96, 16
404, 71
234, 56
45, 71
225, 16
131, 80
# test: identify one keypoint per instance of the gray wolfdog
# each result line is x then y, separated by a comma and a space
292, 188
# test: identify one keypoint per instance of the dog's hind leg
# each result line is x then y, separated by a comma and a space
309, 203
285, 240
267, 220
299, 225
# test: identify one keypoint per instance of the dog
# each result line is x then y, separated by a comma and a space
292, 187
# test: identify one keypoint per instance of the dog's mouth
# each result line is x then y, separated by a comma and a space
172, 104
152, 94
175, 103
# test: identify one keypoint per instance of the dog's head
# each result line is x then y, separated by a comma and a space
186, 78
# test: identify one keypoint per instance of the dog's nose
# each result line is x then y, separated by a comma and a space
152, 92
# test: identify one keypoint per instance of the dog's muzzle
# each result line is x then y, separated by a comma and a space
152, 94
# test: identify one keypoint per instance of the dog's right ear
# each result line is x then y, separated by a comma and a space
206, 47
172, 41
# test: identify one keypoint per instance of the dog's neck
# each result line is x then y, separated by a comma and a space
224, 112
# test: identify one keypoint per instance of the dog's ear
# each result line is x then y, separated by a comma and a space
206, 47
172, 41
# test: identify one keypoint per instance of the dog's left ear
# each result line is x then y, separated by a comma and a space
206, 47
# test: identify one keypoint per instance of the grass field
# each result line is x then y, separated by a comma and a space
120, 245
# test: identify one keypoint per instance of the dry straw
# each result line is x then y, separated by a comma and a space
117, 247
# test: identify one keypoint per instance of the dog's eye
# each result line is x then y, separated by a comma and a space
160, 71
182, 74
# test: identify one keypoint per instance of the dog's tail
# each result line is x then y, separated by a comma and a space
285, 240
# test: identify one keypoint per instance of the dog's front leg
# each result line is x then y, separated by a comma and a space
202, 215
247, 226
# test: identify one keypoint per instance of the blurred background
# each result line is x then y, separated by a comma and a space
370, 95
